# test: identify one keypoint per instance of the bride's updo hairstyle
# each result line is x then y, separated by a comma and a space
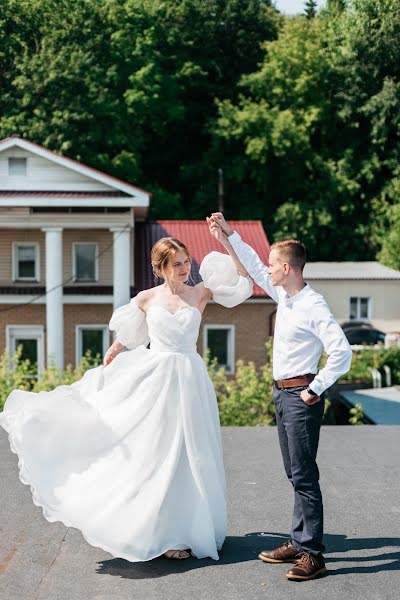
163, 251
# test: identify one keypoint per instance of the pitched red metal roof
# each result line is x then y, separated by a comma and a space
195, 235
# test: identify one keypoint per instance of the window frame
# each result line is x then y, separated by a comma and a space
78, 338
30, 332
230, 368
358, 316
14, 261
10, 158
96, 262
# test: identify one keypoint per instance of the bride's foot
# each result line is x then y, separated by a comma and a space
177, 554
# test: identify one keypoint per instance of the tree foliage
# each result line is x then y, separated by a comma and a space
301, 114
310, 8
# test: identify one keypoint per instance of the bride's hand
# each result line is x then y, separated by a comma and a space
112, 352
219, 218
215, 230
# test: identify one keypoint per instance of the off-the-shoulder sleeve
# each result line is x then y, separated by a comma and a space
220, 276
129, 323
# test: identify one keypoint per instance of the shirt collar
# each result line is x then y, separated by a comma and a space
298, 296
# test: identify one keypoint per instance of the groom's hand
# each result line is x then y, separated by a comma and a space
215, 230
219, 218
309, 398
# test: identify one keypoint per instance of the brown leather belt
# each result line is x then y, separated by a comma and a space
294, 381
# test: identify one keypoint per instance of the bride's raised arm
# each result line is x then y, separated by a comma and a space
226, 280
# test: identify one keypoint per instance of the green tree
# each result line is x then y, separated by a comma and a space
313, 140
310, 8
129, 86
336, 6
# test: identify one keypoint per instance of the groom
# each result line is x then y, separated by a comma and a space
304, 328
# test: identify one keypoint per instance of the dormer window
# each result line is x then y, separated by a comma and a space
16, 166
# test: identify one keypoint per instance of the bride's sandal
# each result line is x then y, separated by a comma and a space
177, 554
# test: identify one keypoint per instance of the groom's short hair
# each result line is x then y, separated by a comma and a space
293, 252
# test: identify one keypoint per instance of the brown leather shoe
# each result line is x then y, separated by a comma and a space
307, 567
284, 554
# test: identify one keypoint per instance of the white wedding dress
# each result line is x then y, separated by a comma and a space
131, 453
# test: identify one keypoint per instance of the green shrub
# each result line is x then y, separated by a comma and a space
245, 398
23, 375
357, 415
367, 358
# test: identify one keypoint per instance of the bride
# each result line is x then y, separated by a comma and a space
131, 453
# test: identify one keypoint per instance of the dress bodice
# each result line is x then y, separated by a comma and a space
173, 332
178, 332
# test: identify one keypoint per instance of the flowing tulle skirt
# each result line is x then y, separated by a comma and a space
131, 455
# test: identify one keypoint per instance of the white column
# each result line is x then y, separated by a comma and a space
54, 297
121, 265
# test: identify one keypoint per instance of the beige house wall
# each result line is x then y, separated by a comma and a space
103, 238
43, 174
7, 237
385, 300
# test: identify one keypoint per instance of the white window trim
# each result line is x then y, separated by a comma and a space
14, 261
78, 339
26, 166
358, 317
231, 344
29, 332
96, 261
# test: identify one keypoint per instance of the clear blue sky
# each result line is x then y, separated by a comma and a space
291, 7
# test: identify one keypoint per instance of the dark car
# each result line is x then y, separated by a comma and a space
364, 335
356, 325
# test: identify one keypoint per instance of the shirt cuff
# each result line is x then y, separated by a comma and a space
317, 387
234, 237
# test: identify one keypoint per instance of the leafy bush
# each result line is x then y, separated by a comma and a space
367, 358
16, 373
357, 415
247, 397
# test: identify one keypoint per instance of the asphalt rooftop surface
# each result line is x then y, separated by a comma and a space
360, 479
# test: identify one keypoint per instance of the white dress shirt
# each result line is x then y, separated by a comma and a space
304, 327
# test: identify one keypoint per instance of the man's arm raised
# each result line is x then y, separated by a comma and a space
244, 255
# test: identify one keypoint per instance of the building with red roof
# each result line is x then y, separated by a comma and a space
75, 243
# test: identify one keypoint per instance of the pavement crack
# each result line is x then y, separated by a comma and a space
37, 591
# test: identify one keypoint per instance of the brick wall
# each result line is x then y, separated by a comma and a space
252, 325
252, 328
82, 314
20, 315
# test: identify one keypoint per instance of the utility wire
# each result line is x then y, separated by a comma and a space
16, 306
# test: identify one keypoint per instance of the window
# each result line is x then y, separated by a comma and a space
17, 166
31, 338
85, 264
220, 341
360, 308
91, 337
26, 261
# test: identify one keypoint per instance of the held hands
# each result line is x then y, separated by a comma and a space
309, 398
218, 227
